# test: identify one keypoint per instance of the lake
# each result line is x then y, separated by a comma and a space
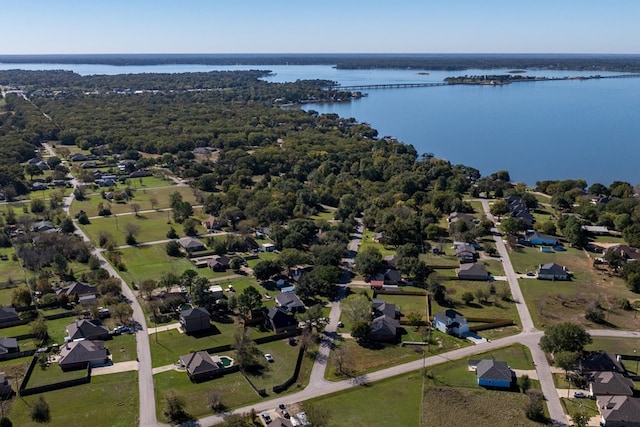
574, 129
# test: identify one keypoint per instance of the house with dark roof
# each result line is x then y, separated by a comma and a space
6, 390
8, 314
78, 157
456, 217
592, 361
41, 226
451, 322
628, 253
87, 330
492, 373
608, 383
279, 320
79, 354
552, 271
195, 320
290, 302
472, 272
390, 277
619, 411
384, 325
201, 366
219, 263
191, 244
518, 209
8, 345
78, 289
465, 252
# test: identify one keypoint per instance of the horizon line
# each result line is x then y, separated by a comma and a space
326, 53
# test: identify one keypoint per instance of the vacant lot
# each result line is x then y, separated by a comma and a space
396, 401
117, 395
552, 302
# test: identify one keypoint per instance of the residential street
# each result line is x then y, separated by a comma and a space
318, 385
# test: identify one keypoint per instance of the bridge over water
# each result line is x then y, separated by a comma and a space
351, 88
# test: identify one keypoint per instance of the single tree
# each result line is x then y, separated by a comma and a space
174, 408
564, 337
356, 308
40, 412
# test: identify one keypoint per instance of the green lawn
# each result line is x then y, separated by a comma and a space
367, 241
122, 348
396, 401
362, 360
151, 262
116, 394
284, 356
152, 226
142, 196
52, 374
576, 406
233, 388
168, 346
10, 269
408, 304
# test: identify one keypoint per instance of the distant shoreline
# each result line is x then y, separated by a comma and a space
447, 62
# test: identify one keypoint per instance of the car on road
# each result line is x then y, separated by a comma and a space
579, 395
269, 357
266, 417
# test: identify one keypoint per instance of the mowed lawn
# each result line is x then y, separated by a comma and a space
142, 196
152, 226
233, 388
552, 302
107, 401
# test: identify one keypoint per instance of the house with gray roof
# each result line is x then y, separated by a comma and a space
195, 320
279, 320
465, 252
472, 272
201, 366
608, 383
492, 373
552, 271
87, 330
6, 390
80, 354
8, 314
290, 302
600, 360
619, 411
384, 325
451, 322
191, 244
77, 290
8, 345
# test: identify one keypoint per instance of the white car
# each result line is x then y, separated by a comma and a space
269, 357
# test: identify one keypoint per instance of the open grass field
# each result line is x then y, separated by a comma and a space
233, 388
580, 406
362, 360
396, 401
152, 226
445, 406
10, 269
552, 302
117, 395
142, 196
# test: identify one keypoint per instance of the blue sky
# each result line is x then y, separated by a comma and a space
326, 26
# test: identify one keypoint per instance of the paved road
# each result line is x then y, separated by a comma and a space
147, 416
556, 411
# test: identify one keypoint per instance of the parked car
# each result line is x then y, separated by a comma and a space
266, 417
269, 357
579, 395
